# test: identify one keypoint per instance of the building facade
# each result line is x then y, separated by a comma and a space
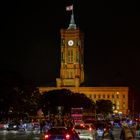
72, 71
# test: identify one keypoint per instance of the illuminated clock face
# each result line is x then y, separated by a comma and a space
70, 42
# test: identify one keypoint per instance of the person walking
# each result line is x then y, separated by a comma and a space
122, 135
111, 133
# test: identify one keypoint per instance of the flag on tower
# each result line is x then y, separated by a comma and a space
69, 8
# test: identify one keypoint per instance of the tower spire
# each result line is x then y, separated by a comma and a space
72, 24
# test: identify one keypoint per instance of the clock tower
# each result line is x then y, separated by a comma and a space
72, 56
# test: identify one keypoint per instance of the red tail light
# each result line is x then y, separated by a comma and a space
90, 129
73, 129
46, 136
81, 124
67, 136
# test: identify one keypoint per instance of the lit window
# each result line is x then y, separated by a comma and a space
90, 96
117, 96
118, 103
77, 56
117, 107
62, 57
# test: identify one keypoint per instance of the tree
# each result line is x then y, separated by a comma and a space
29, 99
104, 106
65, 98
16, 95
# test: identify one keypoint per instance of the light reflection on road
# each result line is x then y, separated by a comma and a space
15, 135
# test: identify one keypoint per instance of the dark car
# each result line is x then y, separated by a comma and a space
12, 126
61, 133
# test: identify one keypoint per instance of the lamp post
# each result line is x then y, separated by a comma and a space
96, 111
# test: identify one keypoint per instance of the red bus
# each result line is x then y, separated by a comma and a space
77, 115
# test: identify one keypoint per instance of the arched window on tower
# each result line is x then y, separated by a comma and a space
62, 42
78, 42
72, 56
62, 57
77, 57
68, 56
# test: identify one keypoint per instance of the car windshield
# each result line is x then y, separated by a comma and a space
81, 127
57, 130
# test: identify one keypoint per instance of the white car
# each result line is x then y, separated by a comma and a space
85, 132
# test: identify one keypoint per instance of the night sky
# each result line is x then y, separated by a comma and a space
30, 39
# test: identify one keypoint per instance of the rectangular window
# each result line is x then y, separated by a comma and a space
123, 96
62, 57
118, 107
117, 103
117, 96
90, 96
123, 105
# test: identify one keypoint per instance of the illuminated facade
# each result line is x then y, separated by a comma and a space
72, 71
72, 60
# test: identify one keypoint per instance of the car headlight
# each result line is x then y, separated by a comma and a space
14, 126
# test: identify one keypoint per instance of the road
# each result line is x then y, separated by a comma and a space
116, 134
15, 135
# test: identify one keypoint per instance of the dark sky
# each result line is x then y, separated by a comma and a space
30, 39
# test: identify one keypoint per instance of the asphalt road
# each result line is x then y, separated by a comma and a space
15, 135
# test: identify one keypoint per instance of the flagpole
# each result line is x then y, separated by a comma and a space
72, 9
72, 24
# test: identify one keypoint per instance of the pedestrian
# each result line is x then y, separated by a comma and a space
122, 135
111, 133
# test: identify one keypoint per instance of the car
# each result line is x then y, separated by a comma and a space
13, 126
61, 133
85, 132
3, 125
